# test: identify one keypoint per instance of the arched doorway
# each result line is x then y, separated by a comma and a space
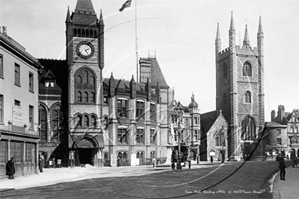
140, 156
86, 151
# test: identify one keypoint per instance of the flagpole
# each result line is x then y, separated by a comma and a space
136, 45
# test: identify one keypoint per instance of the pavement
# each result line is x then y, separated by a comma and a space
289, 188
51, 176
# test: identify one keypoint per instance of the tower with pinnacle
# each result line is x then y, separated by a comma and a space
85, 59
240, 90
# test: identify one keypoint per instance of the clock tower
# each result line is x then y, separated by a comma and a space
85, 58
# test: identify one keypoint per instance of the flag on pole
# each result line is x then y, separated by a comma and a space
125, 5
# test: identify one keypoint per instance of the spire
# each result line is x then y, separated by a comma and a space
231, 22
260, 30
101, 18
246, 41
68, 19
218, 32
85, 6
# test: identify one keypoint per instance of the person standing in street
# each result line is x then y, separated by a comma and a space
212, 154
10, 168
41, 163
282, 166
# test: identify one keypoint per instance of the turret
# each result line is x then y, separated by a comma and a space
101, 41
111, 86
218, 42
246, 41
231, 32
132, 88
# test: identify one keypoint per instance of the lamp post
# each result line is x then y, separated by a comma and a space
179, 112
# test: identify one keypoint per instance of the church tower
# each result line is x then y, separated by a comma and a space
239, 90
85, 58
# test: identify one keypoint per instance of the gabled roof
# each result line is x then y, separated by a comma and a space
208, 119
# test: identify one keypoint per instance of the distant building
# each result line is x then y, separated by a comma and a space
18, 106
283, 132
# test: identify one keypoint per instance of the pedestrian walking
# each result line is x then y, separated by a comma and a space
119, 161
282, 166
10, 168
212, 154
294, 160
154, 162
41, 163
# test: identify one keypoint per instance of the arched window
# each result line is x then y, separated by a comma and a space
247, 69
43, 123
79, 121
248, 129
79, 33
87, 33
83, 32
95, 34
92, 97
91, 33
225, 71
85, 86
55, 121
86, 96
248, 97
93, 121
75, 32
79, 96
124, 157
85, 120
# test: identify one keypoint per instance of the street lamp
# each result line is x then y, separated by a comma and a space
179, 112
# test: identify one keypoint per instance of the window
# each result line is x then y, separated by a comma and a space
93, 121
225, 71
278, 132
105, 100
79, 121
122, 107
140, 107
30, 81
248, 97
220, 140
152, 112
55, 121
31, 117
279, 141
17, 74
85, 86
153, 136
43, 123
85, 121
1, 108
122, 135
196, 135
247, 69
140, 138
1, 65
17, 103
248, 129
152, 154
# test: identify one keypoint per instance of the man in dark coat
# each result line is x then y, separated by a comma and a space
10, 168
282, 166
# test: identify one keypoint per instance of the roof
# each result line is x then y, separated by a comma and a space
55, 90
18, 49
208, 119
274, 125
156, 73
84, 13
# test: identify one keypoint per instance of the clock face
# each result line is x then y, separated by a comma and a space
85, 50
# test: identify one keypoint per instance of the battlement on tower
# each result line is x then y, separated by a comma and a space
224, 53
246, 50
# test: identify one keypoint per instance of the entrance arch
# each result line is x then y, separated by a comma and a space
86, 148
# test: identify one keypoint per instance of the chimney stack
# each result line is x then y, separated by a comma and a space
272, 115
281, 112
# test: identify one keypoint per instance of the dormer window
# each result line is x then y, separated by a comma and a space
49, 83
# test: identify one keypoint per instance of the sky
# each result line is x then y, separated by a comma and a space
179, 33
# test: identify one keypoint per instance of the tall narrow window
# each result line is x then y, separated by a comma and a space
55, 121
17, 74
30, 82
93, 121
85, 121
1, 65
122, 135
122, 107
31, 117
153, 136
248, 97
86, 97
43, 123
247, 69
152, 112
140, 108
140, 138
1, 108
248, 129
